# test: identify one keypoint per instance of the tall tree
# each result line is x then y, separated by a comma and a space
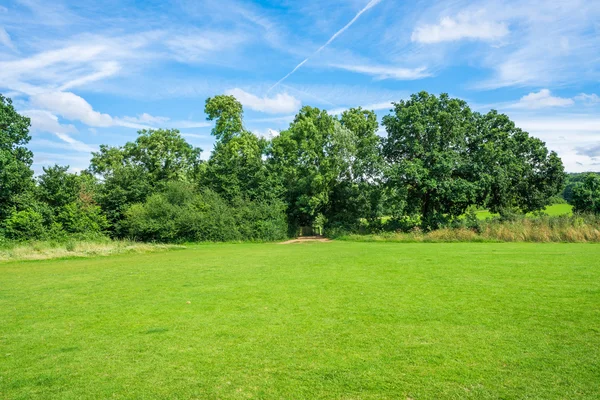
133, 171
236, 168
429, 170
357, 193
310, 158
16, 176
516, 172
57, 187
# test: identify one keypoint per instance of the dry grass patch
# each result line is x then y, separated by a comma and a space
49, 250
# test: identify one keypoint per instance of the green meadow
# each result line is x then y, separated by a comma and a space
552, 210
317, 320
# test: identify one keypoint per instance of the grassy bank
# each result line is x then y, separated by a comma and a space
44, 250
318, 320
543, 229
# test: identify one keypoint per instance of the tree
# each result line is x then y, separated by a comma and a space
228, 113
429, 170
15, 159
586, 194
443, 158
516, 172
57, 187
310, 158
236, 167
358, 191
137, 169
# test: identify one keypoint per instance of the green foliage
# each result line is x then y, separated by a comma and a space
573, 179
586, 195
515, 171
310, 158
438, 163
228, 113
78, 217
429, 167
133, 172
57, 187
443, 158
15, 158
179, 213
25, 225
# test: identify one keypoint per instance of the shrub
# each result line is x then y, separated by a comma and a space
25, 225
180, 214
586, 195
82, 218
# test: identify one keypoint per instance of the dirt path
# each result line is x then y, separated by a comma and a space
307, 239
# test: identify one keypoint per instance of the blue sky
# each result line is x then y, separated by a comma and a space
94, 72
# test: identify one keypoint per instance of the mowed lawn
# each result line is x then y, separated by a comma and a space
321, 320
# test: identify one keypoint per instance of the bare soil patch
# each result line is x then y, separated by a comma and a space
307, 239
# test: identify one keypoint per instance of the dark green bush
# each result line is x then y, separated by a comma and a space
180, 214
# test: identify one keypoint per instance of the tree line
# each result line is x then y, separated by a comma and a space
437, 161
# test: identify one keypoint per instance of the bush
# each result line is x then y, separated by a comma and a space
25, 225
179, 214
586, 195
82, 218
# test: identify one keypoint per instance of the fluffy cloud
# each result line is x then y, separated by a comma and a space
471, 26
386, 72
70, 106
279, 104
542, 99
146, 118
588, 98
44, 121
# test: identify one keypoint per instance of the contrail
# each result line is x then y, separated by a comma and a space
371, 4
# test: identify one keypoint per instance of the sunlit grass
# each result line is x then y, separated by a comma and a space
319, 320
75, 248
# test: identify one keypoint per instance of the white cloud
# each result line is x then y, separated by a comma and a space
542, 99
5, 39
44, 121
471, 26
199, 46
146, 118
386, 105
70, 106
267, 133
279, 104
102, 70
76, 144
588, 98
386, 72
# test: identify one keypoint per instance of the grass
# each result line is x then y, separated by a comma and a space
552, 210
45, 250
320, 320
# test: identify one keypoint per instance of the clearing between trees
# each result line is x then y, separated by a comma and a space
321, 320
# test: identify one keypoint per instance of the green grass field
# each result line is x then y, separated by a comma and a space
320, 320
553, 210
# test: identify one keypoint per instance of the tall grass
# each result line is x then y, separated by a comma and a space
44, 250
570, 229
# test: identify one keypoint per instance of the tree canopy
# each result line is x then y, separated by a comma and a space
433, 160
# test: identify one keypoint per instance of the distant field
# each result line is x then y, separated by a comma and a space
320, 320
554, 209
